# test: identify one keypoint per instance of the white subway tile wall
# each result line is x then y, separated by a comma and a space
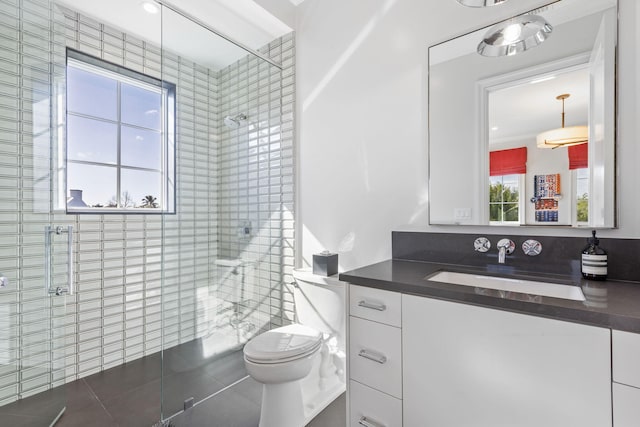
256, 176
142, 284
29, 361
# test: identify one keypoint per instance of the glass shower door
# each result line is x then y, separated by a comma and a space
36, 262
32, 326
222, 269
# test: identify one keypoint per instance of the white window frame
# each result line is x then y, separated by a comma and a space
167, 198
521, 203
574, 199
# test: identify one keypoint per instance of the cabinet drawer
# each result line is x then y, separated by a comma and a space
375, 304
626, 406
375, 355
371, 408
626, 358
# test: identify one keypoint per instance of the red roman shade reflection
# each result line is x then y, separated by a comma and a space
578, 156
508, 162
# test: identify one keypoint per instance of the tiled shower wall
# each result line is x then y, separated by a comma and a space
256, 183
225, 178
121, 299
30, 44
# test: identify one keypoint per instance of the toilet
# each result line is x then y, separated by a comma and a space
311, 349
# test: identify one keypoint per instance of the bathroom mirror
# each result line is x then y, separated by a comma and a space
494, 154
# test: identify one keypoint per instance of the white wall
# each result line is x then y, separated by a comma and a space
362, 109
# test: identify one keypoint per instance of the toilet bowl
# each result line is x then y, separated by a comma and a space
283, 358
278, 359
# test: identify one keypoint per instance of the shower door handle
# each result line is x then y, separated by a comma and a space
48, 253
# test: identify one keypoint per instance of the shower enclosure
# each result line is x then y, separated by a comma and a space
179, 248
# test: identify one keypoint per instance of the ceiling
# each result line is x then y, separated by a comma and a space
527, 109
241, 20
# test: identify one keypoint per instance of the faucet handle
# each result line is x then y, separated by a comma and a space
507, 245
481, 244
532, 247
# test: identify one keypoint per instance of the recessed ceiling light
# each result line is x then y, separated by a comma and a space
150, 7
542, 79
494, 128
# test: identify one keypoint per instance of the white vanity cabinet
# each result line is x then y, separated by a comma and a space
375, 358
625, 347
422, 362
471, 366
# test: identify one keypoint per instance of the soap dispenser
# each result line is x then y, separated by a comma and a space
594, 260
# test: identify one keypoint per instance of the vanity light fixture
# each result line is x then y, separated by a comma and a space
150, 7
480, 3
514, 36
563, 136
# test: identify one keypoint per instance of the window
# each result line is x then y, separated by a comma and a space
506, 172
582, 195
120, 139
579, 165
504, 198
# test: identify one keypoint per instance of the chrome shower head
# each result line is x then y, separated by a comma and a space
234, 122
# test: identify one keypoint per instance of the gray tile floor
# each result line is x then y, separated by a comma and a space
129, 395
239, 406
334, 415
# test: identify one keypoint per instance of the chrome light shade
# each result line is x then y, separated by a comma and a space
480, 3
514, 36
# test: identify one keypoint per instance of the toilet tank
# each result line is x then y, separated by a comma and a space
320, 303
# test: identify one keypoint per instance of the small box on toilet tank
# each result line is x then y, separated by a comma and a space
325, 264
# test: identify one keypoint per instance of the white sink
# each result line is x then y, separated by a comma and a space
555, 290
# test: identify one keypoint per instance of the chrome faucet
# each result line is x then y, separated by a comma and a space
505, 247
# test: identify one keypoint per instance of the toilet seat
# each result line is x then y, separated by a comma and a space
283, 344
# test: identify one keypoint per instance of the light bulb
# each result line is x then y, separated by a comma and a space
512, 32
150, 7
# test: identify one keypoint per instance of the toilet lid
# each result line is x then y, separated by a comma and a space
282, 344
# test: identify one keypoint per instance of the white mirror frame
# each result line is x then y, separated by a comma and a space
486, 86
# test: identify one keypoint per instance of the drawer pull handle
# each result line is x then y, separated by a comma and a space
366, 422
372, 355
372, 306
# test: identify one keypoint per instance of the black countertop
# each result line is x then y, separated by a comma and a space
609, 304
